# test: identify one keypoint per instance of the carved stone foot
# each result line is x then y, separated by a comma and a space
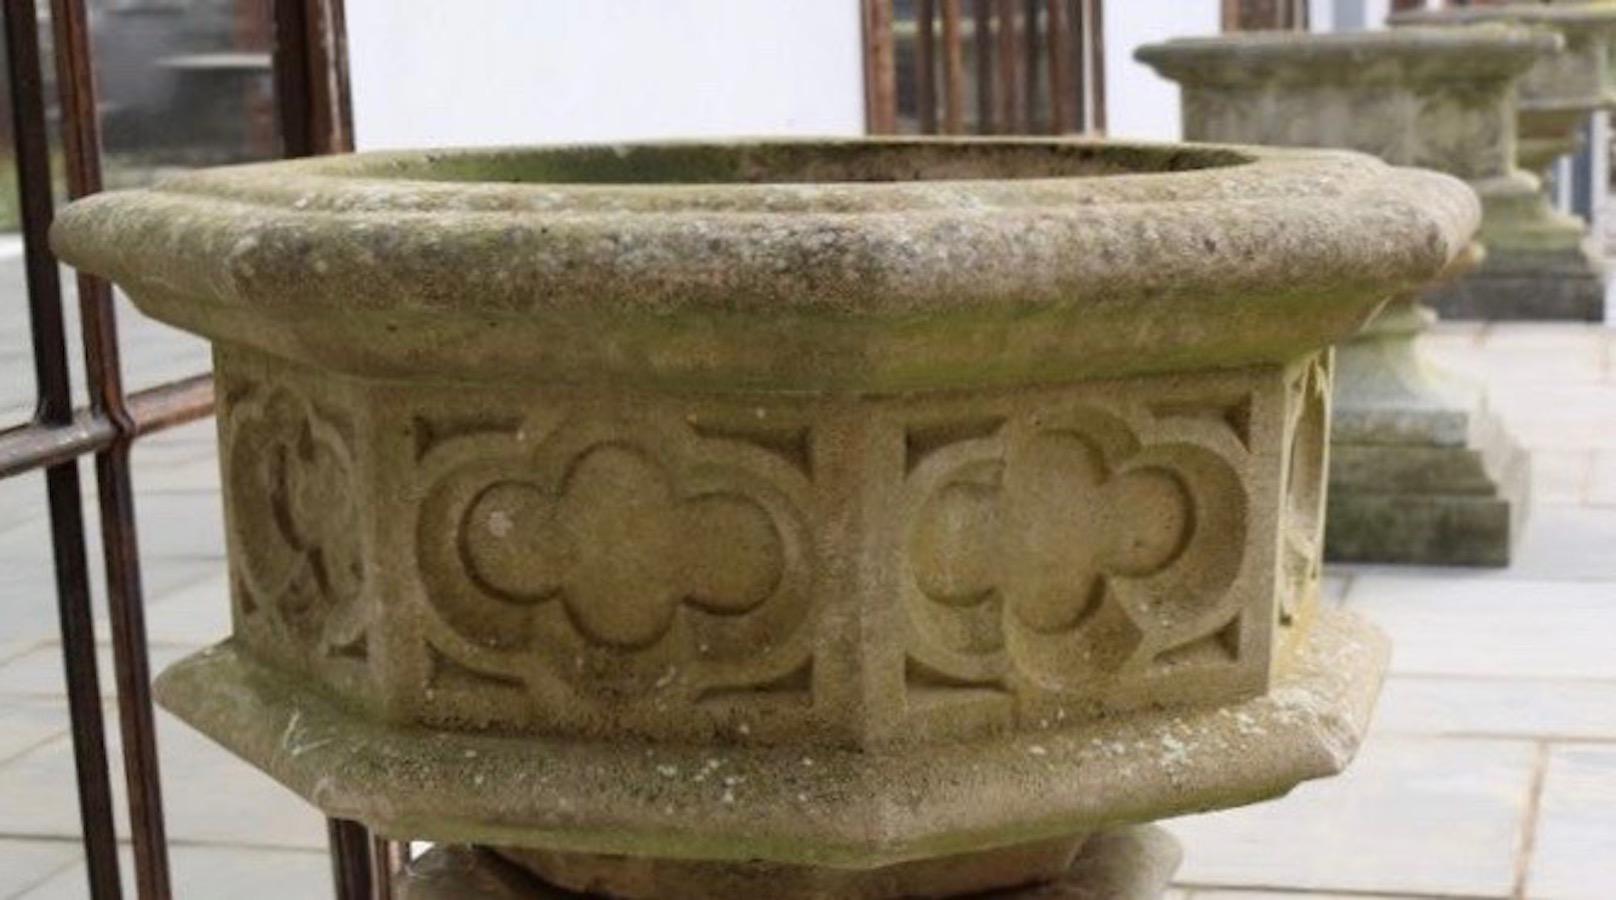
1124, 864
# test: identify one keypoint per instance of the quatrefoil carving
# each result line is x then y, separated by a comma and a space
1064, 548
614, 557
1047, 531
619, 549
296, 518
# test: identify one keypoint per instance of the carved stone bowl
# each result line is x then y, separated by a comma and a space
1561, 89
835, 506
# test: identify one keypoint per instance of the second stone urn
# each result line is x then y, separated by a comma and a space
853, 519
1420, 472
1544, 264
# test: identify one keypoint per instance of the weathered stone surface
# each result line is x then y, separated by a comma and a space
997, 869
1542, 264
1559, 91
847, 504
1124, 864
815, 806
903, 265
1133, 863
1419, 472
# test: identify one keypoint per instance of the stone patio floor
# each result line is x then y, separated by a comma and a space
1490, 773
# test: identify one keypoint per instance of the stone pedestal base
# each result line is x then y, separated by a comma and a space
1451, 506
1420, 471
1125, 864
1564, 284
1540, 264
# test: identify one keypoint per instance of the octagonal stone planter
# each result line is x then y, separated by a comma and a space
1547, 264
856, 518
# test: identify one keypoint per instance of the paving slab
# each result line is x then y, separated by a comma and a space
1602, 479
25, 724
1493, 627
1568, 542
170, 525
1557, 415
26, 864
1561, 476
236, 873
194, 615
1543, 353
1575, 853
1291, 895
184, 460
1410, 816
210, 796
1497, 707
38, 673
22, 499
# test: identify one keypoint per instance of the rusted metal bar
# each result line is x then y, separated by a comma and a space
1253, 15
172, 404
63, 490
311, 77
291, 65
1232, 15
1031, 71
1079, 65
387, 860
982, 32
312, 105
880, 69
1009, 65
350, 859
1097, 63
38, 445
953, 69
1059, 25
81, 146
926, 65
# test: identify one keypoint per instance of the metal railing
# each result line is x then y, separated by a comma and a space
313, 115
989, 67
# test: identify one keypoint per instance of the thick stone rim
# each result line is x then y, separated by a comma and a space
1572, 23
1262, 259
1432, 53
1588, 15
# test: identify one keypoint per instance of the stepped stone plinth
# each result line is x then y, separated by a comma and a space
1542, 263
1420, 472
853, 519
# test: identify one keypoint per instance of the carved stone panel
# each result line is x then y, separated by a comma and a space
1079, 547
294, 500
586, 568
568, 562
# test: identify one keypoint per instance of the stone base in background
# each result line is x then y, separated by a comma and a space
1125, 864
1566, 284
1420, 471
1456, 505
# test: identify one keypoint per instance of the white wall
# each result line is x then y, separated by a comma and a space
1348, 15
1140, 104
478, 72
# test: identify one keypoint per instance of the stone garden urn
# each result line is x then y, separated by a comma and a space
1542, 264
851, 519
1420, 471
